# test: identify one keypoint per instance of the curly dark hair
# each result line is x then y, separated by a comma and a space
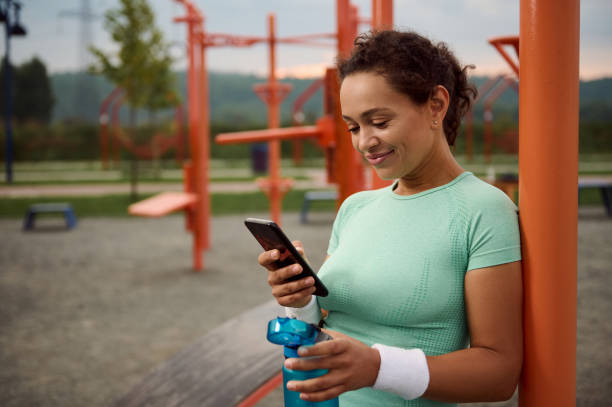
414, 66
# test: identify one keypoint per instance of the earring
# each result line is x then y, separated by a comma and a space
435, 122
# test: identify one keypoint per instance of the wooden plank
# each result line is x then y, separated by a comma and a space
50, 207
594, 182
162, 204
221, 369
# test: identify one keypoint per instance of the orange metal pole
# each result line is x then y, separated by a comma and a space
255, 136
375, 14
104, 119
488, 115
548, 176
192, 96
499, 43
349, 167
275, 196
116, 123
386, 14
382, 18
204, 153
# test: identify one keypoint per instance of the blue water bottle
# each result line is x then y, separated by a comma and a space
293, 333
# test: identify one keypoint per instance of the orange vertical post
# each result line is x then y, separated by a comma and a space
385, 14
204, 150
382, 18
275, 196
193, 20
548, 177
349, 167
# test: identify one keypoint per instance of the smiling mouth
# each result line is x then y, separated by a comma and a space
377, 159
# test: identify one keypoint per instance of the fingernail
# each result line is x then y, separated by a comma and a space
291, 385
302, 351
296, 268
309, 281
274, 253
288, 363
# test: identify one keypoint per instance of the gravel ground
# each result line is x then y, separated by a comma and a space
86, 313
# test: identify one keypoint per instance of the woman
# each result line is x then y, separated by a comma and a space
419, 270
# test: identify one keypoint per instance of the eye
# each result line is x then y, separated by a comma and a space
381, 125
353, 130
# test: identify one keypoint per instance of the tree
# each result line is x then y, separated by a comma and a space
142, 65
33, 96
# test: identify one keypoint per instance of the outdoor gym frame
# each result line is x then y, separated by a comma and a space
548, 193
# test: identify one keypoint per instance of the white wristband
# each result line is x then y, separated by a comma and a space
310, 313
402, 371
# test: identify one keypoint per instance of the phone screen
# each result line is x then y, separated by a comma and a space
269, 241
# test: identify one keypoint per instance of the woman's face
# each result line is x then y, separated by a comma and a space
393, 133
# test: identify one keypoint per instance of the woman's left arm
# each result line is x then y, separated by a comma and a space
489, 369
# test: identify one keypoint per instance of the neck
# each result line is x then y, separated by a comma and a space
438, 168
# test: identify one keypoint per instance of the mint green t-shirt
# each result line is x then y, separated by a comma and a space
397, 265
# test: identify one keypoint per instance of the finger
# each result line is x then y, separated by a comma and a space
281, 290
330, 385
298, 246
326, 348
279, 276
334, 334
267, 259
326, 394
289, 300
330, 362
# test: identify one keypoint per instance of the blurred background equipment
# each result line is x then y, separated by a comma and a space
9, 16
85, 89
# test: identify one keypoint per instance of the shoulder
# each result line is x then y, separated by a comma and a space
483, 196
361, 198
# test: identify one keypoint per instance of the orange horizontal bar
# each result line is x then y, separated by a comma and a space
254, 136
263, 391
309, 36
507, 40
297, 41
162, 204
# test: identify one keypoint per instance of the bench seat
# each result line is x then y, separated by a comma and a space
223, 368
601, 183
59, 207
162, 204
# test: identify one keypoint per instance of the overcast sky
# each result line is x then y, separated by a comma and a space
464, 24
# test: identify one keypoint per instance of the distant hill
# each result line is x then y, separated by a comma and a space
232, 100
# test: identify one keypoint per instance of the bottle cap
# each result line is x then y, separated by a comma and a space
291, 332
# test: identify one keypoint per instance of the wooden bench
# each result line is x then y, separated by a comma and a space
311, 196
233, 365
61, 208
162, 204
603, 184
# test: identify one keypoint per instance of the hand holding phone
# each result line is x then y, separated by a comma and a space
271, 237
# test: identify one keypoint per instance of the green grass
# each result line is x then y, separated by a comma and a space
141, 180
116, 205
222, 203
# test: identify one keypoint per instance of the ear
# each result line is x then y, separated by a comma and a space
438, 105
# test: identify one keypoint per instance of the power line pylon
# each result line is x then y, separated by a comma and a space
86, 88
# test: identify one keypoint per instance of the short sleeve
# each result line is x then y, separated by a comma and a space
494, 236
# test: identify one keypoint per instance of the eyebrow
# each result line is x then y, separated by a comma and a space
369, 113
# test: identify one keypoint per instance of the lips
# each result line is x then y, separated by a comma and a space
378, 158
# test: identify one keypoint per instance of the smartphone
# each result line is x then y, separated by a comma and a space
270, 236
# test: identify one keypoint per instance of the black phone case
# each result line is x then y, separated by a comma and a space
270, 236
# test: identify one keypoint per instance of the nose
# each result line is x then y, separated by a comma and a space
366, 140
